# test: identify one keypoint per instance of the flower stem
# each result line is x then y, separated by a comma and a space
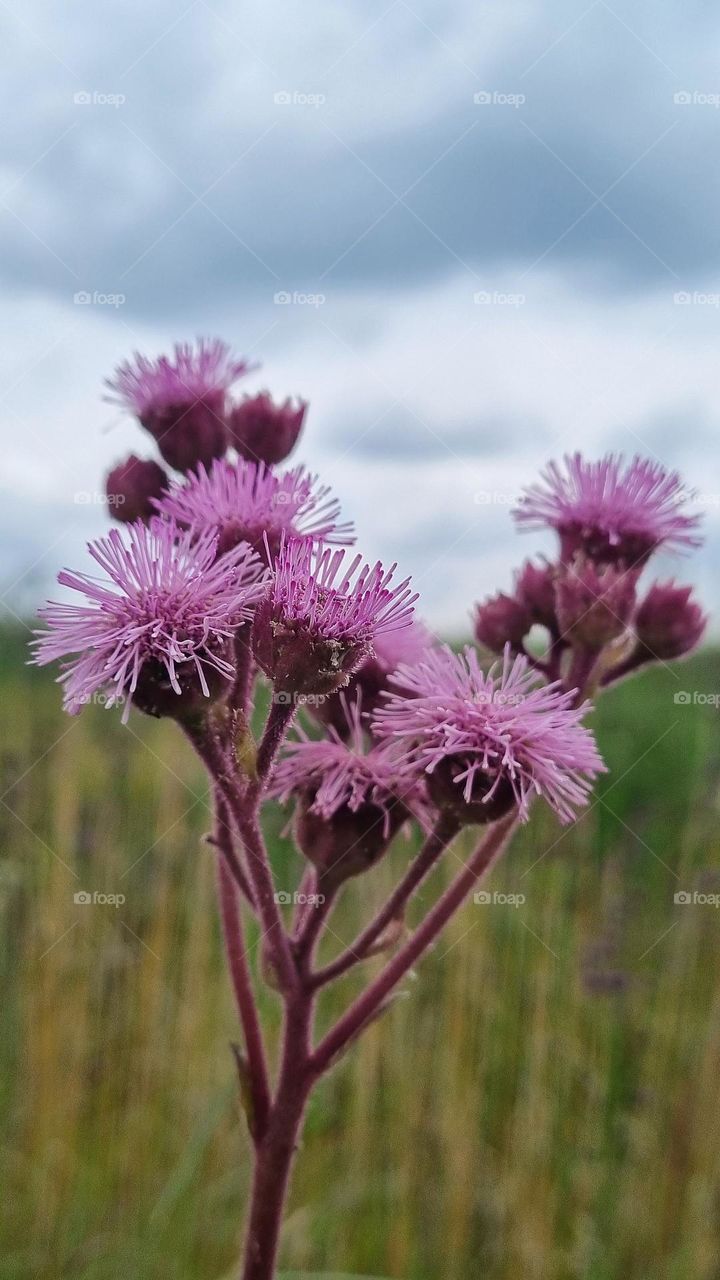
275, 1153
368, 1004
444, 832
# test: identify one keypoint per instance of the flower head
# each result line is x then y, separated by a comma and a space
263, 431
594, 603
535, 590
243, 502
611, 511
501, 620
319, 619
352, 797
491, 741
669, 622
131, 486
158, 630
181, 399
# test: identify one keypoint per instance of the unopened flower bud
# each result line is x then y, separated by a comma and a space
263, 431
501, 620
535, 589
594, 606
348, 842
669, 622
189, 434
131, 486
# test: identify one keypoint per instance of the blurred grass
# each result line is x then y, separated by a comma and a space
543, 1105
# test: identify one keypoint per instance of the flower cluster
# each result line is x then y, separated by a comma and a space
183, 401
234, 569
610, 518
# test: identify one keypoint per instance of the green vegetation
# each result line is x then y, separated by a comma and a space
542, 1106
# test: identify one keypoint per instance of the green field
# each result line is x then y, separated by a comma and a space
542, 1106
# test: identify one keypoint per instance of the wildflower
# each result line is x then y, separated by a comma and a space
535, 590
490, 741
669, 622
131, 485
242, 502
263, 431
181, 399
159, 631
318, 620
594, 605
391, 650
501, 620
615, 513
352, 797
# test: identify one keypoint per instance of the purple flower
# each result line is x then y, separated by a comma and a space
263, 431
181, 399
535, 590
243, 502
131, 486
352, 797
612, 511
490, 741
669, 622
501, 620
594, 604
319, 618
158, 631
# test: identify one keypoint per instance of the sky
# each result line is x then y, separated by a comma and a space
473, 236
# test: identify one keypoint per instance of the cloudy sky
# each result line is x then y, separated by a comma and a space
474, 236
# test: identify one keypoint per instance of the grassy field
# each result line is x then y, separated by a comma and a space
542, 1106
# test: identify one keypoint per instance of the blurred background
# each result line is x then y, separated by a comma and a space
473, 237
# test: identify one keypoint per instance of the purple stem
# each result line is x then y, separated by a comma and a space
257, 1072
368, 1004
275, 1154
444, 832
